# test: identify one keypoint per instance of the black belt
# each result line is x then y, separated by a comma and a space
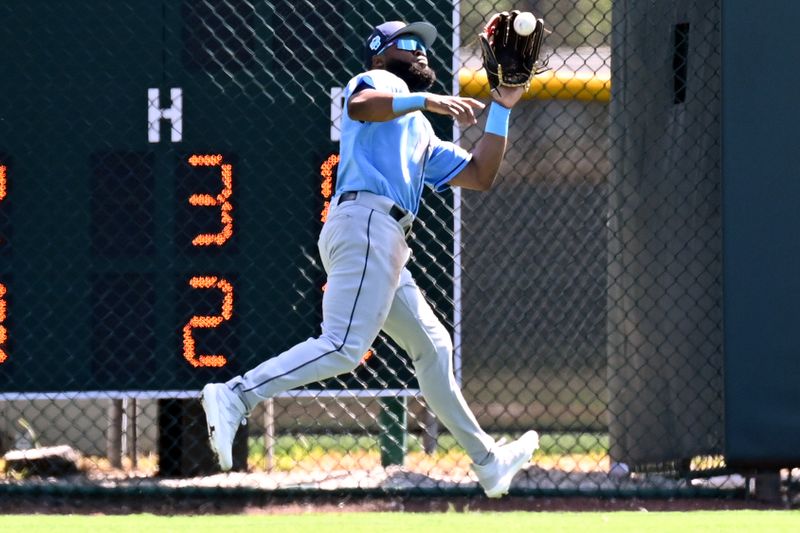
395, 212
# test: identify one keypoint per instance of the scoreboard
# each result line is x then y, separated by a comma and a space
165, 169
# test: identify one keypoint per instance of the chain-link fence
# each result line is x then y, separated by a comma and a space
165, 168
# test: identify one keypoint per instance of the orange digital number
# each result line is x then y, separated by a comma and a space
3, 186
3, 306
326, 188
3, 189
189, 347
3, 331
222, 200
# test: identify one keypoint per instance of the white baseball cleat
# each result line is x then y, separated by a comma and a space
495, 477
224, 413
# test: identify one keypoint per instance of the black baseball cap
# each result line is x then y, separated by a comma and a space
387, 31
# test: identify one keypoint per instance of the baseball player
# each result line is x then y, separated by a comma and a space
388, 153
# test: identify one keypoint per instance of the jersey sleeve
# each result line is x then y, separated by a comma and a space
446, 160
380, 80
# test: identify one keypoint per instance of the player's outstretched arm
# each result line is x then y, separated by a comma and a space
461, 109
481, 171
370, 105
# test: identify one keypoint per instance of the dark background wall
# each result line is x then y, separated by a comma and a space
762, 248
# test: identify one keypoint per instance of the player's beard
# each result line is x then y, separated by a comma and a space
417, 76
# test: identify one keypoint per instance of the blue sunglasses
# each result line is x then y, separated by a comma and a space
407, 43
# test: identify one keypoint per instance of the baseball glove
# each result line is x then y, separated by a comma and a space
511, 59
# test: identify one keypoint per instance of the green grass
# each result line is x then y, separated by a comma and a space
617, 522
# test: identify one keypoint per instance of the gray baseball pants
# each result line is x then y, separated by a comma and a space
364, 253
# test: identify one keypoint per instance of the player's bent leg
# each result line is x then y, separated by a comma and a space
312, 360
227, 404
415, 328
363, 252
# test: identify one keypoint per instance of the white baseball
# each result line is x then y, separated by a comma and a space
525, 23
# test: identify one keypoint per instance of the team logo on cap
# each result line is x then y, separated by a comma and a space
375, 43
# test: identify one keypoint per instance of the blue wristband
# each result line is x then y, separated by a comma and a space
403, 103
497, 122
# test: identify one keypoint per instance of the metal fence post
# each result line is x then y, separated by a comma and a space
114, 433
393, 437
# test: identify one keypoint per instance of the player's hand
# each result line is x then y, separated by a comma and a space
461, 109
508, 97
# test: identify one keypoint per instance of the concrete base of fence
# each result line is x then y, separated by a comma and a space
53, 461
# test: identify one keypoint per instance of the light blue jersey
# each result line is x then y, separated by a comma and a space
395, 158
